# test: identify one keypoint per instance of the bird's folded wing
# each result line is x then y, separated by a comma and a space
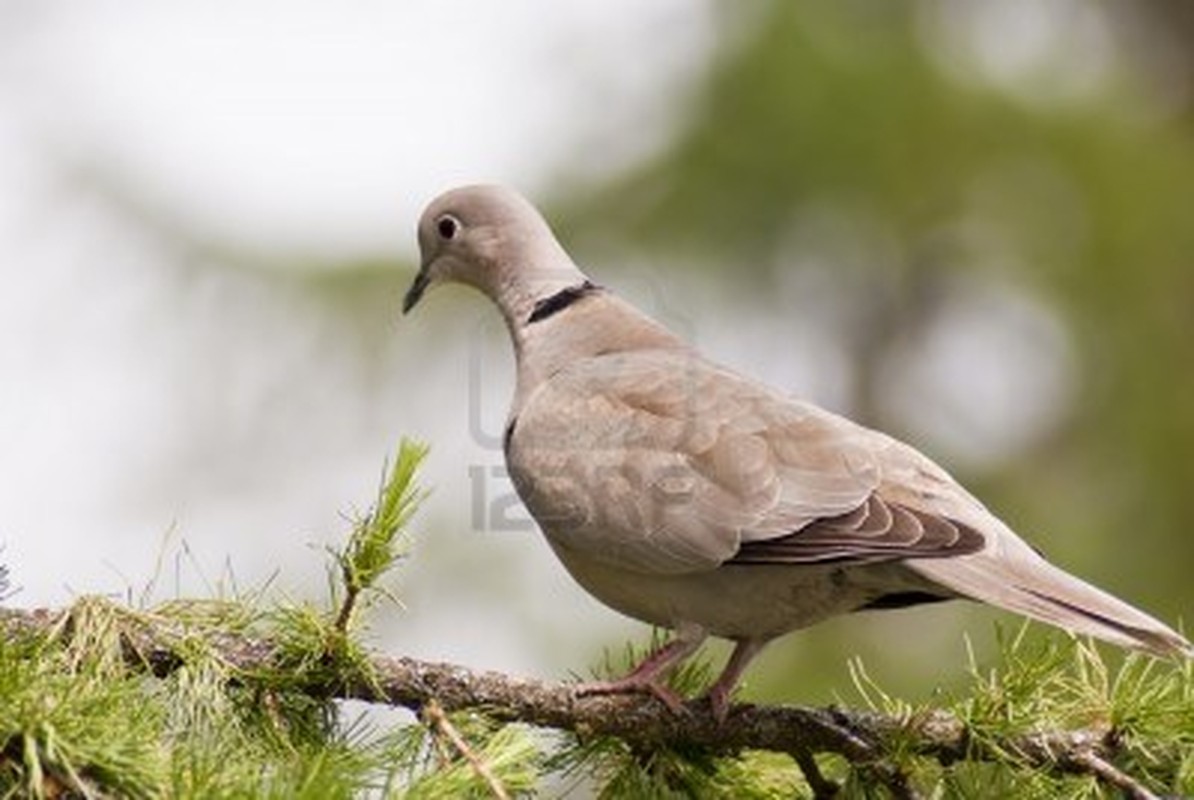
661, 462
878, 530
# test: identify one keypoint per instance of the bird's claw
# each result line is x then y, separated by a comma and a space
632, 685
719, 703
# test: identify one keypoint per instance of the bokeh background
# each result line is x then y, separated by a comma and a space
968, 223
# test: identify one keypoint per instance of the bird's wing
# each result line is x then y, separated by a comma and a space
661, 462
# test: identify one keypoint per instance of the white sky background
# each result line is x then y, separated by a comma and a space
147, 412
321, 125
213, 416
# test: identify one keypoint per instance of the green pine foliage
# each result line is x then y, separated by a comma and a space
1053, 686
83, 713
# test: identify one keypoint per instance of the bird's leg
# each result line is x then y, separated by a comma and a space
648, 676
719, 693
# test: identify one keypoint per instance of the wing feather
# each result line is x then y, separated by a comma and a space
660, 462
875, 531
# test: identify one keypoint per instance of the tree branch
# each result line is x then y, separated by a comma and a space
864, 738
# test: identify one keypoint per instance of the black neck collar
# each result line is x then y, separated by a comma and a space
557, 302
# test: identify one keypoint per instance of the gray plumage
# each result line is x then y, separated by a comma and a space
688, 496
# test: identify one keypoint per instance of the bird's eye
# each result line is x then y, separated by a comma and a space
447, 226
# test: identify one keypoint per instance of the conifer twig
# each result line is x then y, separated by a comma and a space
374, 545
822, 787
440, 724
1088, 762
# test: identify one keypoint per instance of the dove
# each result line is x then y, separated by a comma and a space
690, 497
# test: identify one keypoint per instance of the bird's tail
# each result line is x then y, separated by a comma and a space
1023, 582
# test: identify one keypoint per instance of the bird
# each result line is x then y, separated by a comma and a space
684, 494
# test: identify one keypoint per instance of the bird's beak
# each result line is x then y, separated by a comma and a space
415, 292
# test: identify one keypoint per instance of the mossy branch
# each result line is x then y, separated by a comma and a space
867, 739
257, 679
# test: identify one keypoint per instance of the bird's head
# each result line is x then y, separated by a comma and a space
493, 239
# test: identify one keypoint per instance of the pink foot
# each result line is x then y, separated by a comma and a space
719, 699
633, 684
722, 690
648, 676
